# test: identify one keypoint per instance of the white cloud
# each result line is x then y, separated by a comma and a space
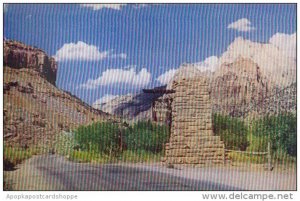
285, 42
209, 64
243, 25
120, 76
104, 99
83, 51
190, 70
101, 6
166, 77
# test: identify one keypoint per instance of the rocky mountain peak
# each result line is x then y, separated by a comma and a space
18, 55
274, 62
35, 111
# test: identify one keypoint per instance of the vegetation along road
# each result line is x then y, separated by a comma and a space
53, 172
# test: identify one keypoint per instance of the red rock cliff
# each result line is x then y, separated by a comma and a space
19, 55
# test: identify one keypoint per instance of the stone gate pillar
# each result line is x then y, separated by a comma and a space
191, 140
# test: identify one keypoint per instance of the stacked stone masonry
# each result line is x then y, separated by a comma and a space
192, 141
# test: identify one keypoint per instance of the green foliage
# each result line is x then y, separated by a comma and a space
258, 143
232, 131
100, 137
88, 156
280, 130
65, 143
146, 136
100, 142
140, 156
16, 155
243, 158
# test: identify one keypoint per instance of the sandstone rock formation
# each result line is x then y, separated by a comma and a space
246, 74
192, 141
274, 63
34, 109
18, 55
238, 84
188, 71
280, 101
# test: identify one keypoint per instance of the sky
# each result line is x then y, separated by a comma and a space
106, 50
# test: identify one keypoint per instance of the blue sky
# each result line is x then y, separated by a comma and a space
120, 49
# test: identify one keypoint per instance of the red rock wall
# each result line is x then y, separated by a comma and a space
19, 55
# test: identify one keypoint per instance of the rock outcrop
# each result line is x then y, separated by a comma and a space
192, 141
18, 55
34, 109
246, 74
274, 63
238, 84
279, 102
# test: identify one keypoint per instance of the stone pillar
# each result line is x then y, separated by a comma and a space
192, 141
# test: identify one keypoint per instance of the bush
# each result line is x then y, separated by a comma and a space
258, 143
146, 136
280, 130
100, 137
233, 131
65, 143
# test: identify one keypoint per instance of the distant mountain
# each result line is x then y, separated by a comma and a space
34, 109
246, 75
237, 84
277, 64
133, 107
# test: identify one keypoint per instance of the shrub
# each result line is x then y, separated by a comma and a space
232, 131
280, 130
146, 136
258, 143
100, 137
65, 143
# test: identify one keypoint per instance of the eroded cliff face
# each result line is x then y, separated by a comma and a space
18, 55
276, 64
35, 111
246, 75
237, 84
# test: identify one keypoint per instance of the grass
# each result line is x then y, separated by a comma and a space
126, 156
89, 157
16, 155
279, 159
247, 158
100, 143
282, 158
140, 156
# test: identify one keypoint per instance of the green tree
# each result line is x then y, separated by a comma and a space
146, 136
100, 137
280, 130
233, 131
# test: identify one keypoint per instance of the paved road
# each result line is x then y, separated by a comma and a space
52, 172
